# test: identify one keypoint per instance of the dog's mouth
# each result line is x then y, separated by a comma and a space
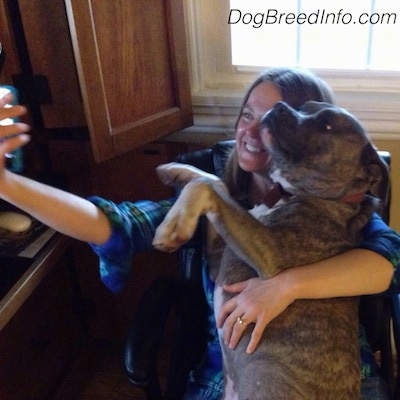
279, 133
269, 126
314, 149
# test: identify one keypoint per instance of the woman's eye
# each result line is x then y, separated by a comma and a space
246, 115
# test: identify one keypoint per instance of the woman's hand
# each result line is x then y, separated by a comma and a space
257, 302
12, 136
60, 210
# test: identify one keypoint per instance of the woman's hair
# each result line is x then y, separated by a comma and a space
296, 86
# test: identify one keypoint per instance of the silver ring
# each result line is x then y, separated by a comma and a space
240, 321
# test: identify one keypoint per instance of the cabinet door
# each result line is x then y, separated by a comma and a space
40, 62
8, 47
132, 65
49, 52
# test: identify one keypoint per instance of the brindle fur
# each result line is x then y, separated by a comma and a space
322, 155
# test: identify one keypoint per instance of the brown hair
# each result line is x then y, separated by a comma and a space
296, 86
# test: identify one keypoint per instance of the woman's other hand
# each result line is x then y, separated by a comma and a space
257, 302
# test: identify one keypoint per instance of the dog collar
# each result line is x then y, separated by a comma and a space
274, 195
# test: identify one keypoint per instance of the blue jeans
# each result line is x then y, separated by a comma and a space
194, 392
373, 388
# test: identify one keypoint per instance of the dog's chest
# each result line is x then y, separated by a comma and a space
298, 232
260, 211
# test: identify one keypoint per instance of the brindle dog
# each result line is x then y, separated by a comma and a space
324, 159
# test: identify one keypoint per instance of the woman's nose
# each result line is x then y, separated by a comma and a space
254, 129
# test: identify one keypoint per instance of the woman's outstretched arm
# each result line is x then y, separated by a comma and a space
63, 211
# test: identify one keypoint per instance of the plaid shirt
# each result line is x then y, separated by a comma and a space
133, 228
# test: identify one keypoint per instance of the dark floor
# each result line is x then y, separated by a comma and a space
99, 375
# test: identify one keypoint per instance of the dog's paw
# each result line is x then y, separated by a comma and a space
172, 234
181, 220
176, 229
174, 174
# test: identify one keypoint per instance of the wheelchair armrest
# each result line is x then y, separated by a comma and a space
146, 331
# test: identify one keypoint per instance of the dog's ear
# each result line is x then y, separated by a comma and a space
377, 173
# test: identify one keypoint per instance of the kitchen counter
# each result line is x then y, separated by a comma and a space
35, 270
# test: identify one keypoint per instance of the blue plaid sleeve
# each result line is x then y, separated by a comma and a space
133, 226
385, 241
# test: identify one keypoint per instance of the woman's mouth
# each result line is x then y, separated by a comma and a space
253, 149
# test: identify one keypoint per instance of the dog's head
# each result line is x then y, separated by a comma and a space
322, 150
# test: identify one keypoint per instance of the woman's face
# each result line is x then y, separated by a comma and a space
252, 154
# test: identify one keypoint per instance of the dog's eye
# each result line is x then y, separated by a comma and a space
325, 124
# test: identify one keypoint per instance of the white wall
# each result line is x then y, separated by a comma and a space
393, 146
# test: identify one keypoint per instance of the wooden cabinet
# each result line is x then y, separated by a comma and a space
40, 62
131, 59
51, 57
118, 67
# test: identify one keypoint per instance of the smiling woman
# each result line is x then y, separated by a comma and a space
219, 79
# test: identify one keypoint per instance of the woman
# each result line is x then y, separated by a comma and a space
117, 232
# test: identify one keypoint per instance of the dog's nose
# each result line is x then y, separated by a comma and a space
283, 112
282, 108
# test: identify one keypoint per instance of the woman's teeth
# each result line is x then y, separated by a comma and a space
253, 149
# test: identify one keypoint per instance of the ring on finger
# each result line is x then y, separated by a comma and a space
240, 321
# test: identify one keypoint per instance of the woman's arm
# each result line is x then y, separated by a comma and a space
133, 226
258, 301
116, 232
353, 273
65, 212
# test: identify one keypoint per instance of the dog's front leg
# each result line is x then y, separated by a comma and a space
178, 174
249, 239
181, 221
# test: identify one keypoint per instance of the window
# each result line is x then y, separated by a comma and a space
223, 61
316, 34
